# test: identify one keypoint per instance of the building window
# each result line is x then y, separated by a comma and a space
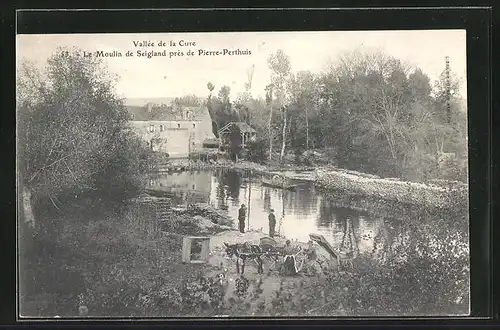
194, 125
151, 128
178, 125
161, 128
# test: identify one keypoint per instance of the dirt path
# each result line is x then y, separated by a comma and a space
271, 278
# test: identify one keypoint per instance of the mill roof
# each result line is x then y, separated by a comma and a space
244, 127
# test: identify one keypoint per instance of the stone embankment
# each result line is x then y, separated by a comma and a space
438, 194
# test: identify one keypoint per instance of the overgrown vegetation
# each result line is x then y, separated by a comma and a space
73, 137
101, 259
98, 259
368, 112
75, 153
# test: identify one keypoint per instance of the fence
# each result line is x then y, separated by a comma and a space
145, 215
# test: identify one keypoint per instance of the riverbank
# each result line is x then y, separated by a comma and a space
180, 165
351, 186
440, 195
129, 263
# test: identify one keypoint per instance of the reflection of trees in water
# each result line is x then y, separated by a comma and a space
326, 215
391, 235
383, 240
232, 180
349, 225
306, 198
221, 193
301, 200
267, 198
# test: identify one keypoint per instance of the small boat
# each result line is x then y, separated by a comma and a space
281, 184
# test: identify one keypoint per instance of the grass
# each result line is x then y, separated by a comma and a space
97, 261
86, 256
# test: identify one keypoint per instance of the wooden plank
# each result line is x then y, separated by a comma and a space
186, 249
205, 249
320, 239
187, 245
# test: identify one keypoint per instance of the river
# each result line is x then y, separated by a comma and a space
411, 252
298, 213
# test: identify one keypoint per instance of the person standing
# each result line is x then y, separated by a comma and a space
272, 223
242, 212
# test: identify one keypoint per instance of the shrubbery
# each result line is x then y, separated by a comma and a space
205, 155
73, 136
256, 151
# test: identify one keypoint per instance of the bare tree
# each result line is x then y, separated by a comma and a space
269, 104
279, 63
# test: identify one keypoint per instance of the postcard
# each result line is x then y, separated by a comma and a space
242, 174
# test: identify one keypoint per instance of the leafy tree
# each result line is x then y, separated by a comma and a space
222, 110
224, 93
376, 113
188, 101
420, 85
302, 90
72, 134
257, 150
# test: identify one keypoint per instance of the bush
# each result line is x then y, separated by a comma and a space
73, 132
257, 150
204, 155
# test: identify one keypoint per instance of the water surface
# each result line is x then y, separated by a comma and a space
298, 213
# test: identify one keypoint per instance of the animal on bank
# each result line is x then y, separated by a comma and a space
243, 251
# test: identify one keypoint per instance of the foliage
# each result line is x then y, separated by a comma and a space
73, 135
257, 150
280, 66
221, 110
204, 155
188, 101
94, 258
379, 114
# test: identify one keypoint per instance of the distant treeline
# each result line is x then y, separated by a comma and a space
368, 112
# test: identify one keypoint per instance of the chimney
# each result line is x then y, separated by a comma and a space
149, 107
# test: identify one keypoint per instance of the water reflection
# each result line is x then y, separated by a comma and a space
298, 212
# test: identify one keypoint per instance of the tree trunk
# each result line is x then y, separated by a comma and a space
29, 217
307, 130
270, 132
283, 136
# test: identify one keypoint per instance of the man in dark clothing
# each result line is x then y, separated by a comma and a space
241, 217
272, 223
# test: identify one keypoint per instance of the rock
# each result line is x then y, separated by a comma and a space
83, 310
202, 222
391, 189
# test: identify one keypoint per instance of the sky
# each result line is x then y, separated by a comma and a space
140, 77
